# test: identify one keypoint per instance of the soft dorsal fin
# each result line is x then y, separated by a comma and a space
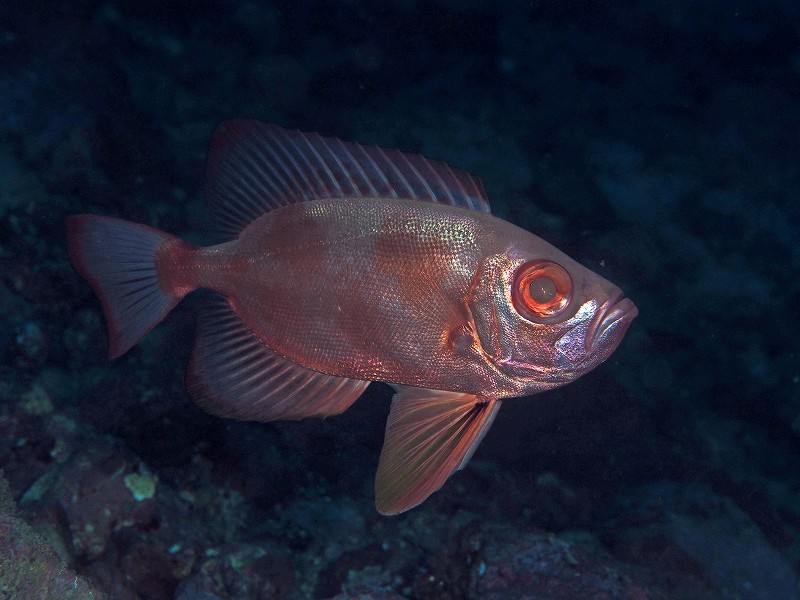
430, 434
254, 167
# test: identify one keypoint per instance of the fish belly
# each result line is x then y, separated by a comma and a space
359, 288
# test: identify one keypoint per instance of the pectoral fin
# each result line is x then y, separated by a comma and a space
429, 435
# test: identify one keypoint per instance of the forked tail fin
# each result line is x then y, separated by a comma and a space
118, 260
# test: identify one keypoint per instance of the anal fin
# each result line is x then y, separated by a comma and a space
430, 434
233, 374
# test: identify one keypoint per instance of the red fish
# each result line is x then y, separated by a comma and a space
348, 264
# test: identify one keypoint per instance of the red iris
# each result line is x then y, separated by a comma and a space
541, 290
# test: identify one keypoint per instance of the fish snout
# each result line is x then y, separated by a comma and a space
609, 325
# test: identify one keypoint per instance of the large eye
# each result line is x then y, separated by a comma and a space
541, 290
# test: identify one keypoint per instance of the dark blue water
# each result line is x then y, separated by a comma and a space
654, 142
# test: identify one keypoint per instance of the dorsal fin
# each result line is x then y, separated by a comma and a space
254, 167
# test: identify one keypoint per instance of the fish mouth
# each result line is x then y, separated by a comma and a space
609, 325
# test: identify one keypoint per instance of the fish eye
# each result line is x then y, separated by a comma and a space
541, 291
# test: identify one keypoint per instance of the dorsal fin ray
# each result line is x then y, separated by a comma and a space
254, 167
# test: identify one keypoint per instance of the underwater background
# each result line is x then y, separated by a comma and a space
658, 143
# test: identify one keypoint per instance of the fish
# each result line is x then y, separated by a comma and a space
342, 264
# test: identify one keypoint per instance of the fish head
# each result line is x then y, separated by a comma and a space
541, 318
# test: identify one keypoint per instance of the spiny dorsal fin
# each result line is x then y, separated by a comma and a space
254, 167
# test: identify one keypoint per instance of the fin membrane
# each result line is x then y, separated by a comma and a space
430, 434
254, 167
233, 374
117, 259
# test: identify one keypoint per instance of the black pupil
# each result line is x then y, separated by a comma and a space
543, 290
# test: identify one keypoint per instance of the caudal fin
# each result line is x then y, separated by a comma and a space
118, 260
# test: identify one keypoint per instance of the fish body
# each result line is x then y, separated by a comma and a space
349, 264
